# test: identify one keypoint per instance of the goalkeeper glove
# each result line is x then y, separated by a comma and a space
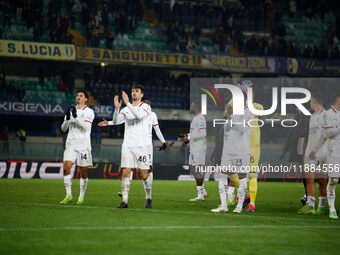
68, 114
74, 111
247, 83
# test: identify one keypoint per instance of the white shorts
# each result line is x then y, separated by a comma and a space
197, 158
235, 163
333, 164
150, 151
317, 165
135, 157
83, 158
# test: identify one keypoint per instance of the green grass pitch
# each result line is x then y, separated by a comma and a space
32, 221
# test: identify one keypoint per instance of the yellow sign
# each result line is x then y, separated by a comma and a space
141, 57
37, 50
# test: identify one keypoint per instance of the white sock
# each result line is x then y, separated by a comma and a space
125, 189
200, 191
311, 201
241, 192
83, 187
230, 191
331, 193
68, 184
131, 176
322, 202
148, 186
221, 190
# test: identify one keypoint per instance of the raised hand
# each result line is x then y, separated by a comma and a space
103, 123
125, 97
117, 103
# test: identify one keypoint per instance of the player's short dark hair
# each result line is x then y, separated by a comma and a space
85, 93
138, 86
319, 97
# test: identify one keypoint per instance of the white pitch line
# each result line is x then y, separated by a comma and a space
226, 227
313, 219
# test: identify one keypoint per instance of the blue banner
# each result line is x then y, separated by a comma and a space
49, 110
241, 64
312, 67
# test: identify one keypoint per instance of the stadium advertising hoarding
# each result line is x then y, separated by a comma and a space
36, 50
241, 64
107, 170
137, 57
304, 66
48, 110
100, 170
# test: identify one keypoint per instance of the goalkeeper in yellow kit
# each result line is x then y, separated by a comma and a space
255, 145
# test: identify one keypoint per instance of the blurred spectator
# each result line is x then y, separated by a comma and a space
307, 53
21, 93
292, 8
191, 45
11, 92
61, 86
335, 52
4, 139
109, 41
196, 31
21, 133
98, 18
3, 88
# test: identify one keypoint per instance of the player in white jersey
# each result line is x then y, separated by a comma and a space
198, 148
152, 124
331, 131
313, 167
235, 156
135, 153
78, 121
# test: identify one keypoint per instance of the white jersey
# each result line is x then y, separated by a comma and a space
79, 130
137, 131
198, 133
153, 124
237, 137
332, 131
316, 123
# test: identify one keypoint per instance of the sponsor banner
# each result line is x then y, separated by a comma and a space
241, 64
49, 110
304, 66
137, 57
54, 170
37, 50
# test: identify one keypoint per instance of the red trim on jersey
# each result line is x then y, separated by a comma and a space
333, 109
123, 114
155, 125
328, 127
198, 114
88, 121
140, 104
84, 107
202, 128
321, 110
146, 111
